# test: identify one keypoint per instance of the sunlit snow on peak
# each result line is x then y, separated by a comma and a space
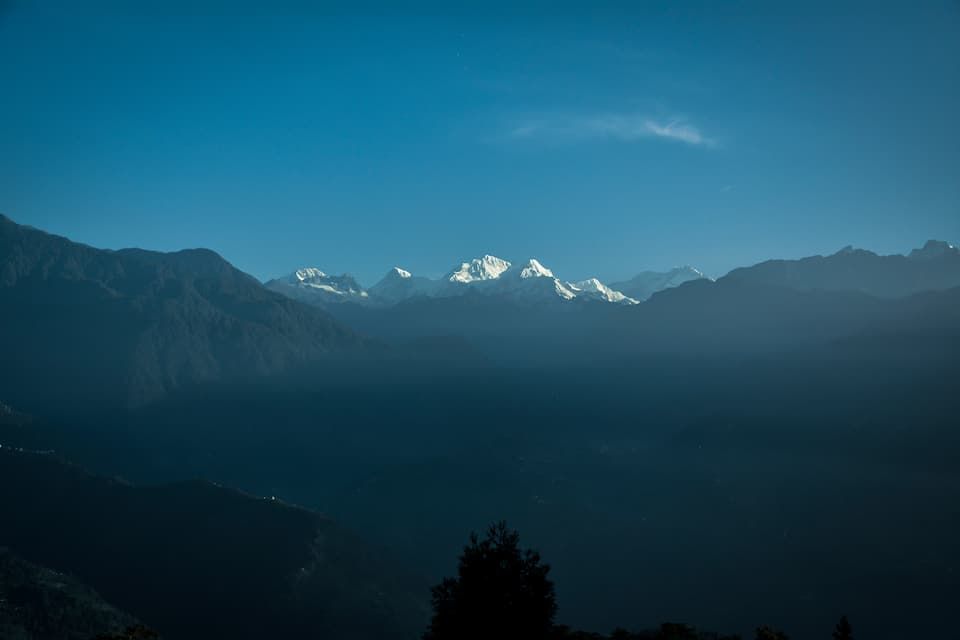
592, 288
533, 269
486, 268
307, 274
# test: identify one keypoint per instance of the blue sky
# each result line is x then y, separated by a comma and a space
602, 139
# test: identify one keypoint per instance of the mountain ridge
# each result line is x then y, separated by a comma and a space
487, 274
934, 266
129, 326
211, 550
481, 272
646, 283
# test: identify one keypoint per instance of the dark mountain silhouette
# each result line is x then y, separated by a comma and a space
199, 561
84, 326
738, 317
935, 266
37, 603
729, 316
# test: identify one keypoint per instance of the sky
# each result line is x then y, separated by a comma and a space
600, 138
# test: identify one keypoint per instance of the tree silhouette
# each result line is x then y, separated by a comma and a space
675, 631
769, 633
843, 630
500, 591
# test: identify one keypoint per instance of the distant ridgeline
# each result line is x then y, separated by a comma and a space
84, 327
935, 266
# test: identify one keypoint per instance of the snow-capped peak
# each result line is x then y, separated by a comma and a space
313, 285
486, 268
400, 273
533, 269
534, 279
307, 274
590, 284
593, 289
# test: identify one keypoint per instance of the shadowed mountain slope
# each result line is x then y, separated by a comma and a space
235, 565
37, 603
84, 326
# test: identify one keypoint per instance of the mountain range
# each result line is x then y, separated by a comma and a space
529, 282
934, 266
782, 304
92, 327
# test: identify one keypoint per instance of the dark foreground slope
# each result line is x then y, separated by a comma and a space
198, 561
83, 327
728, 493
37, 603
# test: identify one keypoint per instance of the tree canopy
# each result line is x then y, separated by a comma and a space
500, 591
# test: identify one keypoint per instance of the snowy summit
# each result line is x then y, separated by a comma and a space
486, 268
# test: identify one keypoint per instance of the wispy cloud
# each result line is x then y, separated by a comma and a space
622, 127
677, 131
